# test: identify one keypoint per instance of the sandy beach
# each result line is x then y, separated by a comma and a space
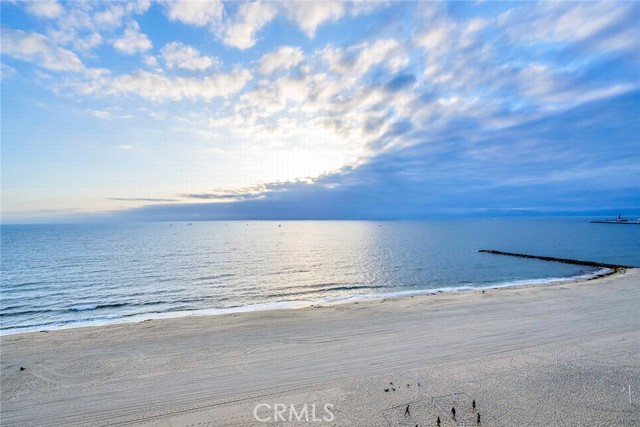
552, 355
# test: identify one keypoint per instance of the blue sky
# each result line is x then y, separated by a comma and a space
214, 110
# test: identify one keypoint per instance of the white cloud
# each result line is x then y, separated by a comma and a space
90, 41
44, 8
178, 55
470, 32
310, 15
85, 25
238, 31
157, 87
77, 29
458, 58
125, 147
6, 72
132, 41
140, 6
152, 63
357, 60
601, 23
36, 48
262, 102
554, 89
195, 12
439, 38
111, 17
282, 59
100, 114
241, 31
311, 94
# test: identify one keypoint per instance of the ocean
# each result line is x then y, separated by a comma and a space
56, 276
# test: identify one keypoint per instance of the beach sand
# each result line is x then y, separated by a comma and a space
551, 355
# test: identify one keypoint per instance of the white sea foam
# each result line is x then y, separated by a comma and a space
288, 305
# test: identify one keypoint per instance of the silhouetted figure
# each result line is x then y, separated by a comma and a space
22, 368
407, 412
478, 422
386, 390
453, 413
438, 422
473, 405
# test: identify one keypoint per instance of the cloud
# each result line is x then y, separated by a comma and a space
132, 40
325, 96
178, 55
213, 196
240, 31
310, 15
125, 146
38, 49
138, 6
140, 199
458, 80
456, 53
104, 115
435, 88
283, 58
253, 192
82, 25
603, 25
195, 12
44, 8
7, 72
110, 17
89, 42
555, 162
357, 60
482, 59
158, 87
152, 63
557, 89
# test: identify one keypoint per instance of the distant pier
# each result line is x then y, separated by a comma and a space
615, 267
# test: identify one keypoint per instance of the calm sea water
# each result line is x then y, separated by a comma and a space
73, 275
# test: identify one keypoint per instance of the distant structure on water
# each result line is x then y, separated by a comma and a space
618, 220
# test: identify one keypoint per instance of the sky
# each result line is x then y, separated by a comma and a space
198, 110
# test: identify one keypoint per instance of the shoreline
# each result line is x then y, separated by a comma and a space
539, 355
604, 271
